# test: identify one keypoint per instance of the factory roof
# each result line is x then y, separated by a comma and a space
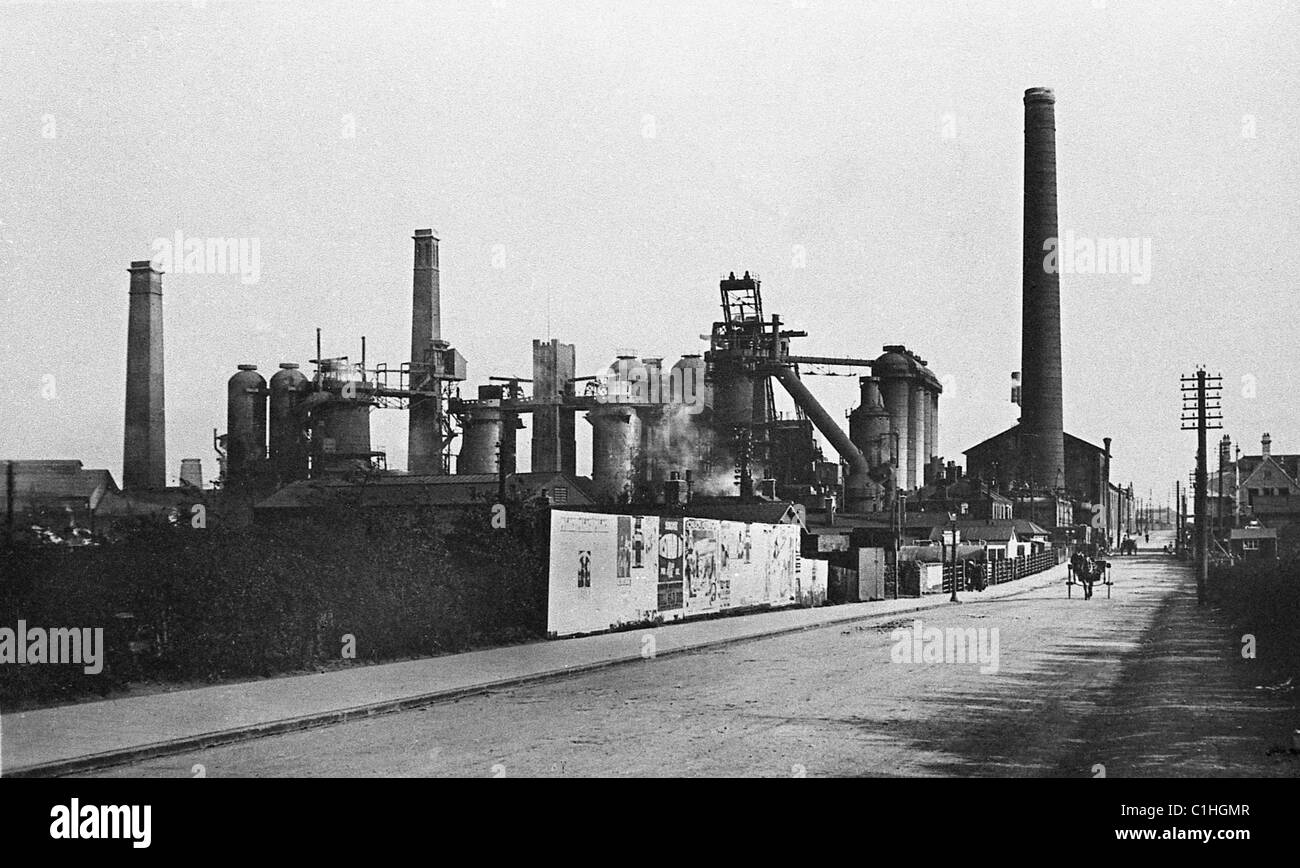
766, 512
1014, 428
413, 490
49, 482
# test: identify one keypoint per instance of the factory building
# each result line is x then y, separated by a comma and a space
1054, 479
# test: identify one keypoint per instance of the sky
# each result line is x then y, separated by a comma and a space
593, 169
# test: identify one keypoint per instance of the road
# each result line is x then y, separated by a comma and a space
1142, 684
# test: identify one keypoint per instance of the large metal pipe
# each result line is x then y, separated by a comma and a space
424, 432
857, 488
1041, 422
144, 445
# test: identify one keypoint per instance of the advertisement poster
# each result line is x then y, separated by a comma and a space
672, 548
624, 550
608, 571
595, 581
701, 568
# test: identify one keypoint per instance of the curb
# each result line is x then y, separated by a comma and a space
234, 735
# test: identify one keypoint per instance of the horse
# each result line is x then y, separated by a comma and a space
1087, 571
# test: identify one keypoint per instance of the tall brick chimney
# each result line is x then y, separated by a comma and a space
424, 431
1041, 423
144, 456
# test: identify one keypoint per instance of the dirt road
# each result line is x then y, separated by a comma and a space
1141, 684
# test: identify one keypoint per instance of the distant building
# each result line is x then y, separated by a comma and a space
1253, 543
55, 491
1084, 483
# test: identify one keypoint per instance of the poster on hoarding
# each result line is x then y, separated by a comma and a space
671, 550
623, 551
608, 571
595, 581
701, 568
780, 578
746, 567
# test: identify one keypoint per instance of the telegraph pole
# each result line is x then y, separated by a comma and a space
1178, 519
1201, 412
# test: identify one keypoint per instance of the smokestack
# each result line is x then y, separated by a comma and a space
1041, 422
1266, 445
144, 456
424, 432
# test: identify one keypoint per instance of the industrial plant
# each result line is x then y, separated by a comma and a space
694, 433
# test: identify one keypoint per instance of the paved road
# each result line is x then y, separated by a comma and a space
1144, 683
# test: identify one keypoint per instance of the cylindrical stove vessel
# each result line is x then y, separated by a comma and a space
894, 371
616, 435
341, 434
687, 386
480, 439
928, 447
934, 421
288, 441
869, 424
245, 422
915, 433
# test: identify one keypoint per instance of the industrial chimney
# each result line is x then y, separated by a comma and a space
144, 458
1041, 423
424, 437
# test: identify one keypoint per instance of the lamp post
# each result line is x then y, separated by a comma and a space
952, 522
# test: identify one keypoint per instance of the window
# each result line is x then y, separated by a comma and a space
1250, 545
560, 494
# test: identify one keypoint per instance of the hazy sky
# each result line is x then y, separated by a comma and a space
864, 158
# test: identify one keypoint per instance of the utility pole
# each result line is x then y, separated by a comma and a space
1178, 519
1201, 396
952, 521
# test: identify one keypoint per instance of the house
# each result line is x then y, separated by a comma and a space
1253, 543
997, 537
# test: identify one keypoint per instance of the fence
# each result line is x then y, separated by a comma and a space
1002, 571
